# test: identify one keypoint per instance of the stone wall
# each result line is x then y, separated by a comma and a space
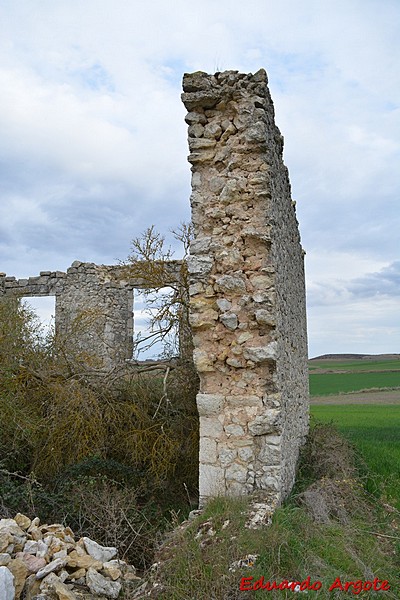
93, 305
247, 290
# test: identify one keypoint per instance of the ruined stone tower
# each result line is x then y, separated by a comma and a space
247, 291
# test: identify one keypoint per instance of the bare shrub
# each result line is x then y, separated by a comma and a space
333, 488
327, 454
115, 515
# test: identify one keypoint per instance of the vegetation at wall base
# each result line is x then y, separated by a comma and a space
114, 456
329, 528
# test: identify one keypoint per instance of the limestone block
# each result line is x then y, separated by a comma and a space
42, 547
208, 450
210, 427
52, 566
273, 440
196, 288
231, 284
243, 401
20, 572
31, 587
196, 130
101, 586
236, 488
259, 354
215, 212
234, 430
202, 361
226, 456
31, 547
262, 281
200, 143
268, 482
256, 133
229, 130
236, 472
195, 117
22, 521
230, 191
201, 245
212, 481
244, 337
6, 540
7, 591
33, 563
230, 320
201, 157
201, 305
199, 265
52, 583
100, 553
82, 560
270, 454
213, 131
264, 317
268, 422
209, 404
216, 184
246, 453
224, 304
11, 526
234, 362
261, 297
111, 570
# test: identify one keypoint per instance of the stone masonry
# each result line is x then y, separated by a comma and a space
247, 290
92, 304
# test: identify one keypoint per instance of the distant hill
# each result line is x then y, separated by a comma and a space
356, 357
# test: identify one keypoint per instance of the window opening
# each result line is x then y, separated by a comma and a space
44, 308
151, 338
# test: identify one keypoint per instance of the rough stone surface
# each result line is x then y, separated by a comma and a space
56, 566
247, 292
20, 572
101, 553
7, 591
101, 586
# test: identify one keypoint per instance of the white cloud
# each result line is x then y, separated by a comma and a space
354, 327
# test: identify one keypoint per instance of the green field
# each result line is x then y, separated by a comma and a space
340, 375
375, 431
323, 384
355, 365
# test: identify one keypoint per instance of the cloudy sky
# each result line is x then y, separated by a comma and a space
93, 140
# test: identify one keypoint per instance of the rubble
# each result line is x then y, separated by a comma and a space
46, 562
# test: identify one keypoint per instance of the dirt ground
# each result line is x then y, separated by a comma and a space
373, 397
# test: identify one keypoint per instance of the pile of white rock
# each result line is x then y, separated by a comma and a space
44, 562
